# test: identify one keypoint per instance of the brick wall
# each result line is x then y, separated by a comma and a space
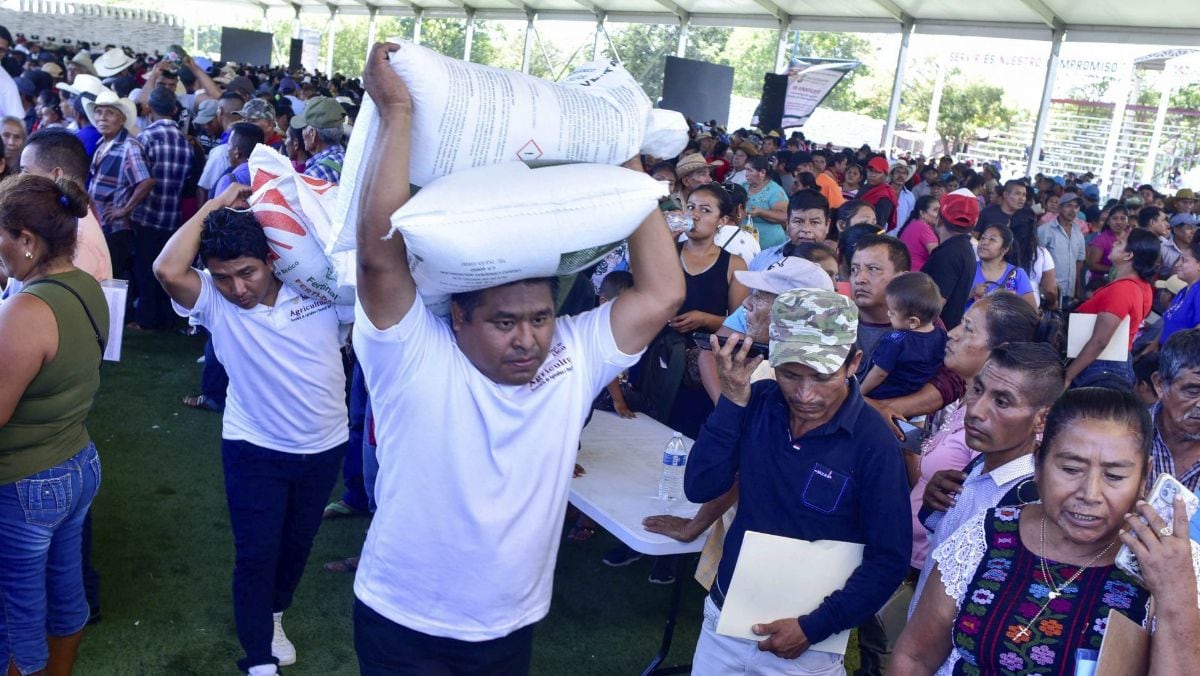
143, 30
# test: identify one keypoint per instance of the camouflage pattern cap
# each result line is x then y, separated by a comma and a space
814, 328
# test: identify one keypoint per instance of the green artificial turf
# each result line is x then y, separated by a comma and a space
165, 554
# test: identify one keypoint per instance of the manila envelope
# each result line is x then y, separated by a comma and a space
778, 577
1125, 650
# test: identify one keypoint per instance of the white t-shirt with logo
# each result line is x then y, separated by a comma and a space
287, 388
473, 475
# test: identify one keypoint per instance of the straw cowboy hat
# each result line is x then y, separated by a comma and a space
690, 164
108, 97
84, 60
83, 84
112, 62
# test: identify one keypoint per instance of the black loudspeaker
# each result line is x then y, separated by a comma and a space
698, 89
294, 59
770, 109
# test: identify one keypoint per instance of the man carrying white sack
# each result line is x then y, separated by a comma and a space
478, 422
283, 432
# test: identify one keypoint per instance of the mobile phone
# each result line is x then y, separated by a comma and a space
1162, 500
701, 338
913, 436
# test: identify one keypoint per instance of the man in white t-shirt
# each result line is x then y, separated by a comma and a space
284, 430
477, 421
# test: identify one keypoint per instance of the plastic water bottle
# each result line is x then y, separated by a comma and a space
670, 486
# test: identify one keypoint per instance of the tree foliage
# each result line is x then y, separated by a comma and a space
966, 109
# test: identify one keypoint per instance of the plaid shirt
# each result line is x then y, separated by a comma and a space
1162, 462
170, 157
334, 154
117, 167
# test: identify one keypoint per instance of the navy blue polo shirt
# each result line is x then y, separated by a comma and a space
844, 480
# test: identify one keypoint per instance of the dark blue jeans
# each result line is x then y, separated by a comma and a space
1105, 373
41, 577
214, 381
275, 504
388, 649
352, 471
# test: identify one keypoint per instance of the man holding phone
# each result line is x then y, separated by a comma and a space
817, 463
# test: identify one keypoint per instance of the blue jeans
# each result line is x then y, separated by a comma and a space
41, 576
275, 504
370, 459
1105, 373
388, 649
214, 381
352, 472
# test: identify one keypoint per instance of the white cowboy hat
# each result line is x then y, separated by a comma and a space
108, 97
112, 62
83, 84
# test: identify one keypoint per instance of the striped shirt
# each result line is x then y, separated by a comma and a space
118, 167
1162, 462
170, 157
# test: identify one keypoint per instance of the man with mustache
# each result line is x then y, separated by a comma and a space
1176, 449
1007, 403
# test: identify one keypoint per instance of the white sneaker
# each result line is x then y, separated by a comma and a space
281, 648
264, 670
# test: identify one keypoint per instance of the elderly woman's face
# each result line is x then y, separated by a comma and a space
968, 349
1090, 479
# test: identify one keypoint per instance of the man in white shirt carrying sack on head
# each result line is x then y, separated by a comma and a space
478, 422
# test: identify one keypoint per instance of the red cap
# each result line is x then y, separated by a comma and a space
959, 210
879, 164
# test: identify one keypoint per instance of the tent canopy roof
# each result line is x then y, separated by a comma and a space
1174, 22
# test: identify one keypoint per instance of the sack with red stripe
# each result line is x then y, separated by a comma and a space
293, 211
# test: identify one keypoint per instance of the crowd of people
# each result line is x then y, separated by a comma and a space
915, 397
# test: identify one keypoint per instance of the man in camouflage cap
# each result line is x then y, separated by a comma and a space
813, 328
813, 462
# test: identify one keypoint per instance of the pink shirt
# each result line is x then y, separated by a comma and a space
915, 236
91, 251
945, 450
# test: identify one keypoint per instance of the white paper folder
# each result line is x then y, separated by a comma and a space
778, 577
1079, 331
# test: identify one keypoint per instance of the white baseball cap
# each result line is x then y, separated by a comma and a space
792, 272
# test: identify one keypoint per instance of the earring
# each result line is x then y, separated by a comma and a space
29, 255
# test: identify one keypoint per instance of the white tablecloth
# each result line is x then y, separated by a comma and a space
623, 461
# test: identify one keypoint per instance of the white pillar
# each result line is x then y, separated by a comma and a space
416, 34
597, 50
1043, 116
469, 40
1120, 99
889, 128
1166, 87
528, 52
681, 48
372, 13
297, 9
781, 45
333, 14
264, 25
935, 104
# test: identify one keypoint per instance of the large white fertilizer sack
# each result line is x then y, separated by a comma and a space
493, 225
294, 211
468, 115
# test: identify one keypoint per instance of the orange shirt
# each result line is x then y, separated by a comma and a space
831, 190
